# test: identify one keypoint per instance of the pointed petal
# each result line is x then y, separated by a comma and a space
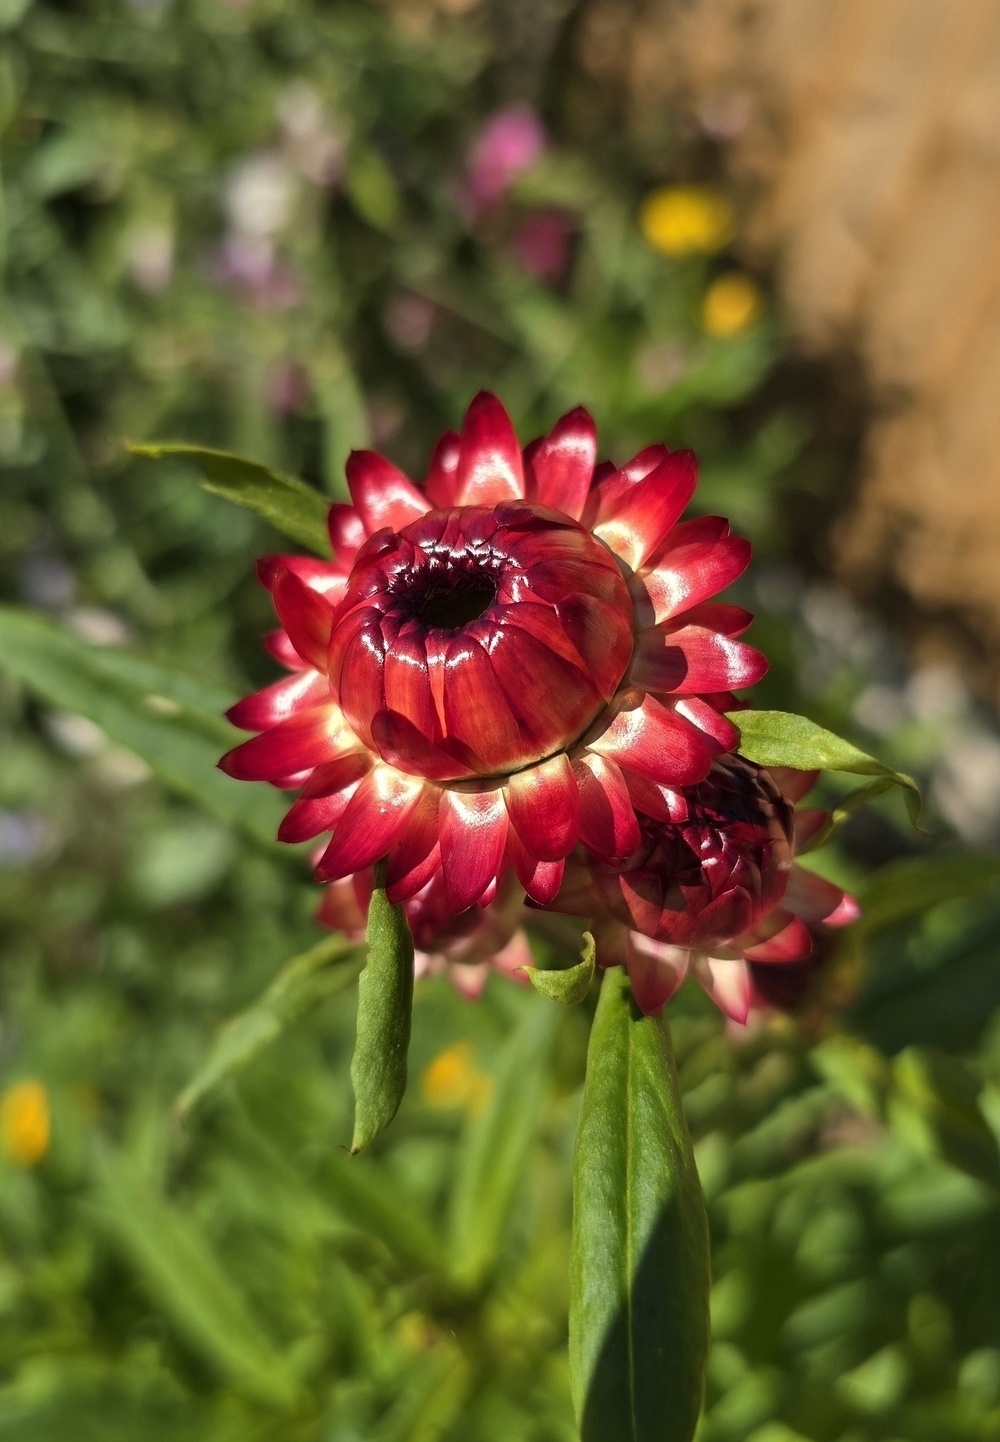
716, 616
728, 984
722, 734
339, 909
809, 822
356, 663
692, 660
793, 784
306, 616
398, 741
611, 483
321, 576
416, 856
469, 979
347, 534
698, 561
541, 880
636, 522
442, 477
562, 466
473, 836
846, 912
325, 797
791, 943
284, 698
489, 468
544, 807
811, 897
277, 644
607, 816
382, 494
305, 740
653, 741
370, 825
514, 957
655, 973
477, 712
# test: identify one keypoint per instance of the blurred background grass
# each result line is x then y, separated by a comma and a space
291, 228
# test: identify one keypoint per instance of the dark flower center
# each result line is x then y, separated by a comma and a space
451, 604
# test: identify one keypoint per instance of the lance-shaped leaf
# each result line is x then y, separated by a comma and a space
172, 721
779, 738
568, 984
640, 1274
285, 503
301, 984
385, 1006
496, 1145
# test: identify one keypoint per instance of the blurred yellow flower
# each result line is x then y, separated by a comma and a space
732, 304
453, 1079
25, 1126
686, 220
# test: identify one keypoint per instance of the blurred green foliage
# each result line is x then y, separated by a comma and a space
243, 226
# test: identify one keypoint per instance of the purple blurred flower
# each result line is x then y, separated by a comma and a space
510, 142
542, 243
248, 265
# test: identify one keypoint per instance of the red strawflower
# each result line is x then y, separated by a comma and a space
712, 888
516, 657
465, 946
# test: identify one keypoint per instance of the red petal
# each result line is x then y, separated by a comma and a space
810, 896
476, 711
325, 798
656, 742
548, 699
303, 741
809, 822
597, 631
792, 783
417, 856
544, 807
347, 534
374, 818
791, 943
305, 615
489, 468
721, 733
381, 493
408, 685
692, 660
339, 909
846, 912
636, 522
277, 644
610, 483
562, 466
473, 836
699, 560
442, 477
540, 879
285, 698
655, 973
398, 741
356, 664
318, 575
716, 616
607, 817
728, 983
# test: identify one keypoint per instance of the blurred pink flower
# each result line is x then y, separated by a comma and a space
542, 243
287, 388
510, 142
248, 265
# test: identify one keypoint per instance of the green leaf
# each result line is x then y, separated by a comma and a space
172, 721
845, 807
183, 1276
287, 504
940, 1093
437, 1392
363, 1196
778, 738
385, 1005
640, 1279
301, 984
905, 889
496, 1145
569, 984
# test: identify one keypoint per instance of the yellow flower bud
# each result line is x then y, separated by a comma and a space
732, 304
25, 1126
686, 220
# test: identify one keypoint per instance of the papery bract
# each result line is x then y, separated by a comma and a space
521, 654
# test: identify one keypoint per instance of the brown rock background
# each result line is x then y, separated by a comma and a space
864, 137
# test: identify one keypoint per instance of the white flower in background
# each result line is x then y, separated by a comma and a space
259, 194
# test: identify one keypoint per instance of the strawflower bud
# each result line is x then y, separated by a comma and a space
501, 663
712, 888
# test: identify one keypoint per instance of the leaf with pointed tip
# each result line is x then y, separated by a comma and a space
385, 1005
171, 720
568, 984
639, 1263
779, 738
301, 984
289, 505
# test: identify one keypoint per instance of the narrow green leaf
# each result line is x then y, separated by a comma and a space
845, 807
640, 1277
182, 1275
494, 1150
908, 888
385, 1005
778, 738
941, 1093
363, 1196
301, 984
432, 1401
172, 721
289, 505
569, 984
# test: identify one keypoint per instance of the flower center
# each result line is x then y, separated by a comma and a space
454, 602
